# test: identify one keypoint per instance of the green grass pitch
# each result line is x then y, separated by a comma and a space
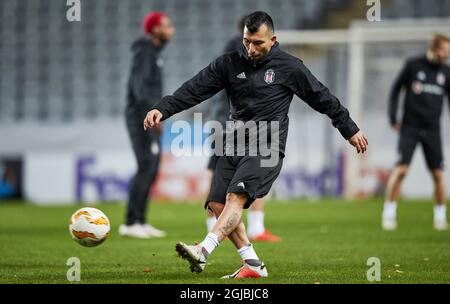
328, 241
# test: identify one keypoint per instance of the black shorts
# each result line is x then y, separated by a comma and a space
242, 174
429, 138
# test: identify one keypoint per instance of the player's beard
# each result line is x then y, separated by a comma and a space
253, 58
163, 40
256, 59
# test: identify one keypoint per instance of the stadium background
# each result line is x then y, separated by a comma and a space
62, 97
63, 141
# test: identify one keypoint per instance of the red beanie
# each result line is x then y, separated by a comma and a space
151, 20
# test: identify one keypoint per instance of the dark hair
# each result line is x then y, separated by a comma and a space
256, 19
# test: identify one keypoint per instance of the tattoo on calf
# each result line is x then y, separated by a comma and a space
233, 219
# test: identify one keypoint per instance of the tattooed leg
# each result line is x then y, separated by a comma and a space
230, 217
239, 235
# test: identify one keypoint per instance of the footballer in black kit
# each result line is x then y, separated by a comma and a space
426, 81
219, 112
426, 84
260, 80
144, 90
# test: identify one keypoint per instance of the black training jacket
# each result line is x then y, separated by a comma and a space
260, 91
145, 80
220, 108
426, 85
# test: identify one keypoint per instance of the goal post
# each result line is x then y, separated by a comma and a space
392, 41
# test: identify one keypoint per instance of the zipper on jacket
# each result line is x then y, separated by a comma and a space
252, 78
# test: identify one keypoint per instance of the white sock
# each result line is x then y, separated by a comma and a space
248, 253
210, 242
390, 209
440, 213
255, 223
210, 222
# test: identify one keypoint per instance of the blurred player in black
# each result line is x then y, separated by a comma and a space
144, 90
220, 111
260, 80
426, 80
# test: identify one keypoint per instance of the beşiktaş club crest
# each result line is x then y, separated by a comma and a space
440, 79
269, 76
